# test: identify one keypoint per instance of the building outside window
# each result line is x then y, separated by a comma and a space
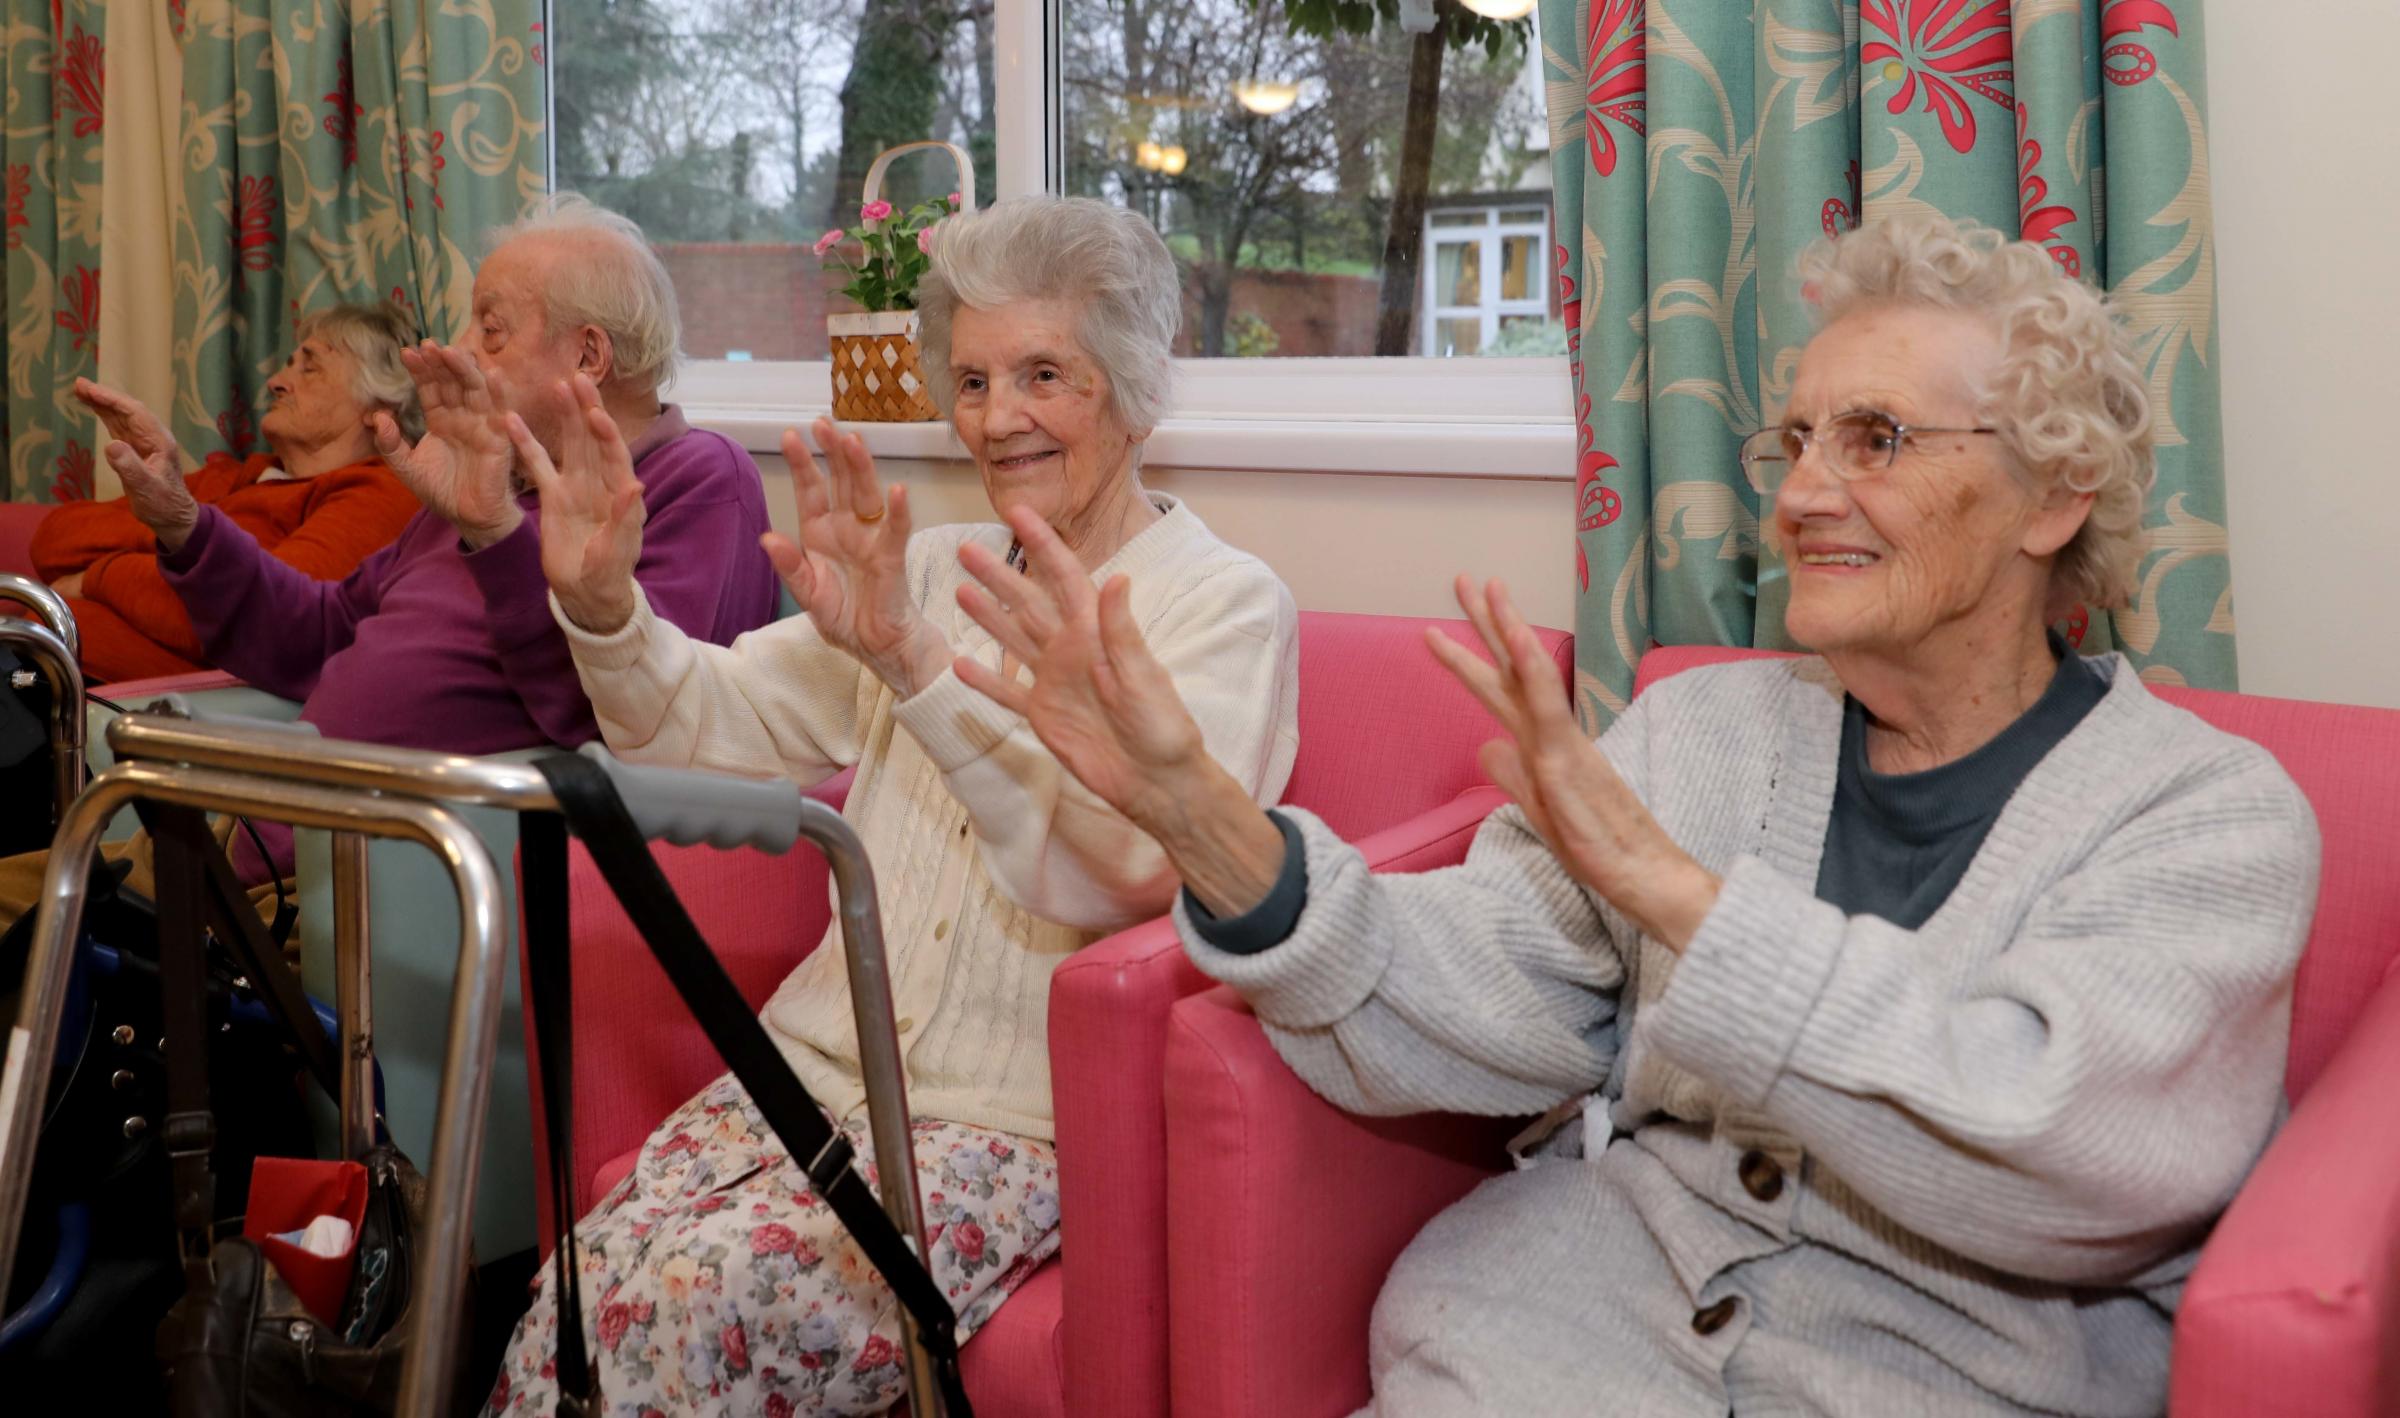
1271, 157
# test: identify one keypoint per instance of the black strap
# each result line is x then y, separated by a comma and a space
190, 1131
542, 837
257, 956
589, 802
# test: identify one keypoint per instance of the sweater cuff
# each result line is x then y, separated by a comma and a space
1334, 957
186, 559
620, 649
952, 723
1740, 996
1269, 923
515, 593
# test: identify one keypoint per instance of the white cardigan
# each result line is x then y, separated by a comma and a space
992, 863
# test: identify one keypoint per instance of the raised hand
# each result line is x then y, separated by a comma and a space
1592, 822
461, 467
849, 570
592, 511
1100, 701
147, 462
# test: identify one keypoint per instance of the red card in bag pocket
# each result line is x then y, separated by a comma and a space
286, 1193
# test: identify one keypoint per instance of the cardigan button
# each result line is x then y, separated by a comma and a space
1761, 1176
1715, 1317
904, 1023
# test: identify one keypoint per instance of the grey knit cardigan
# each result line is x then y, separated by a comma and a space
2006, 1132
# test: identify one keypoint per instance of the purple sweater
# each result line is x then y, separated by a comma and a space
430, 646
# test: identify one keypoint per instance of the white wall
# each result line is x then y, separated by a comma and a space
1342, 541
2308, 206
2307, 192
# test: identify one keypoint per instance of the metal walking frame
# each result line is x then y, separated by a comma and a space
50, 640
359, 790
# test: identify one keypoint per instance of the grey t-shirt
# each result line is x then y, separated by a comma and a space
1899, 842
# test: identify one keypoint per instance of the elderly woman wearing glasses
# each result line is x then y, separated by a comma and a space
1903, 1014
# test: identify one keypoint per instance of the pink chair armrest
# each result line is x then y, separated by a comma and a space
1108, 1038
2295, 1307
1288, 1212
17, 521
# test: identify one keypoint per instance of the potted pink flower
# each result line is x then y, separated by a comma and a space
876, 374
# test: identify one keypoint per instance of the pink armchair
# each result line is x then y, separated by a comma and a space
1387, 755
1288, 1212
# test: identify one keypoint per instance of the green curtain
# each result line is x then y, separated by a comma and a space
53, 62
1698, 147
337, 153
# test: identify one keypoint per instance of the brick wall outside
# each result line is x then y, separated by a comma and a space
771, 299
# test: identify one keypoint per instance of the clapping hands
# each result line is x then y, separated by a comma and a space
461, 467
146, 461
592, 510
849, 568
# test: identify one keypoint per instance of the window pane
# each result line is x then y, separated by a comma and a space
1517, 255
1458, 273
737, 131
1272, 160
1457, 337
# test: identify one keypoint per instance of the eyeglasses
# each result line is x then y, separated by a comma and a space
1860, 444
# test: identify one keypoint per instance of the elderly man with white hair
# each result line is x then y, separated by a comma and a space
444, 640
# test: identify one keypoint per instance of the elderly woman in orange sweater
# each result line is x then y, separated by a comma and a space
319, 500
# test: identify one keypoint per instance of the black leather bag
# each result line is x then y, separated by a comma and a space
240, 1342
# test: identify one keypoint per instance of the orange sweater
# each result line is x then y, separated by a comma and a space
134, 625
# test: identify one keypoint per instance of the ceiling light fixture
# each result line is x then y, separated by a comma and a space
1266, 97
1500, 9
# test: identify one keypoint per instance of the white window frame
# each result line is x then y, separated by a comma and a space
1488, 237
1410, 416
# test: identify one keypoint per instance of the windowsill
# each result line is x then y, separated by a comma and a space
1473, 419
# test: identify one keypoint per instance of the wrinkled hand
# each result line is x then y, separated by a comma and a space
1592, 822
592, 510
69, 585
461, 467
1100, 701
849, 570
147, 462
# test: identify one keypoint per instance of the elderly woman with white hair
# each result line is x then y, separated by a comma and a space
1903, 1015
720, 1283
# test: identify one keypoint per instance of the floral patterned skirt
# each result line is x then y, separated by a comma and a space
718, 1282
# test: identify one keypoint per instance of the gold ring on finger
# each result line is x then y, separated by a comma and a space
874, 516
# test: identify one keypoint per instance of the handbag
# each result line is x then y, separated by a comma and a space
242, 1340
106, 1263
589, 805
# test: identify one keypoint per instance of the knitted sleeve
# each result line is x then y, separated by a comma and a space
2070, 1109
1491, 987
1229, 637
779, 699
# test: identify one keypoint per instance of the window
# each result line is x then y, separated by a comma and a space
1487, 280
736, 131
1272, 159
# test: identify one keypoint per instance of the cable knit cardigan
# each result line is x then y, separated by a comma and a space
1963, 1168
992, 863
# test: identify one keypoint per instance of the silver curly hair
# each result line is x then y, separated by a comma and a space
2068, 395
616, 282
1108, 260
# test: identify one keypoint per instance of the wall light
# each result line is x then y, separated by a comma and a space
1150, 157
1500, 9
1171, 161
1267, 97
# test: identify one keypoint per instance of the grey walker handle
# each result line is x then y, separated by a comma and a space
686, 807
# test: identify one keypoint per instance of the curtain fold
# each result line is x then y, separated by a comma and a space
53, 55
335, 155
1698, 148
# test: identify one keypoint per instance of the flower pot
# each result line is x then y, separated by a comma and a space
876, 374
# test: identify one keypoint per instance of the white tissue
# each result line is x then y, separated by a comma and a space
327, 1236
